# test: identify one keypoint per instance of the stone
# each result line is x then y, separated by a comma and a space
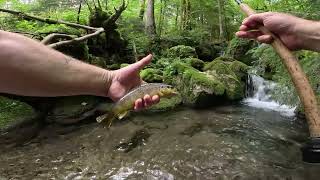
238, 49
71, 110
182, 51
19, 122
151, 75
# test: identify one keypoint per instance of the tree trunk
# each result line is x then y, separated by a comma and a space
222, 36
185, 15
150, 25
142, 8
162, 16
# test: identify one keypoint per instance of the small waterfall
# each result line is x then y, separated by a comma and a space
259, 95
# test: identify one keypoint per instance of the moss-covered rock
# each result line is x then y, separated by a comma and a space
124, 65
196, 88
151, 75
14, 112
167, 104
182, 51
113, 66
77, 50
98, 61
19, 122
159, 45
232, 73
223, 79
69, 110
194, 62
208, 51
238, 49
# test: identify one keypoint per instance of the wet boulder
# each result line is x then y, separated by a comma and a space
19, 122
238, 49
208, 51
194, 62
197, 88
70, 110
233, 75
151, 75
98, 61
159, 45
166, 104
182, 51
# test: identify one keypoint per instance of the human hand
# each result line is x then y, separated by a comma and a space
125, 79
285, 26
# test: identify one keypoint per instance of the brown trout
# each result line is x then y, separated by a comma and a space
126, 103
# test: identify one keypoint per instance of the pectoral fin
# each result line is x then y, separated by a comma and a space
122, 115
107, 118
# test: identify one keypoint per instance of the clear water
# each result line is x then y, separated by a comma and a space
230, 142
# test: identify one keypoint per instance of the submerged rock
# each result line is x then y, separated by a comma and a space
19, 122
70, 110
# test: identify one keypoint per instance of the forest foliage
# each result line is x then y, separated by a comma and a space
199, 20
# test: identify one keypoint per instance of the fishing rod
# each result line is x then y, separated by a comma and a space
311, 151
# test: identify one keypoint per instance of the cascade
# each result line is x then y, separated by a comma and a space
259, 95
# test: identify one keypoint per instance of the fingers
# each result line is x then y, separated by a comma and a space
256, 20
146, 102
249, 34
265, 39
142, 63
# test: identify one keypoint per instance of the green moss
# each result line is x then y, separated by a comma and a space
113, 66
151, 75
182, 51
232, 73
219, 66
12, 112
167, 104
238, 49
208, 51
124, 65
194, 62
97, 61
240, 69
191, 83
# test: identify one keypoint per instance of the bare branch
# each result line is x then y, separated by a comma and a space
45, 20
99, 4
76, 40
53, 36
117, 14
90, 9
79, 11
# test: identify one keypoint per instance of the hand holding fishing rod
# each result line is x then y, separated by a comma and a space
311, 153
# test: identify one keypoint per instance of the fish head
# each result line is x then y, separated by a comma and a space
167, 91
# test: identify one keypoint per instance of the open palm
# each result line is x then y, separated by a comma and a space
125, 79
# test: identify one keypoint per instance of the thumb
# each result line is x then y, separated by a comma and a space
142, 63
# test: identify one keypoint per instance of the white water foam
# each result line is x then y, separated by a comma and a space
261, 97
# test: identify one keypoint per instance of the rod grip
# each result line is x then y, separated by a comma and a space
299, 78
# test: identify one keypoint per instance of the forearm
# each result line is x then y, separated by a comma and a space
32, 69
309, 31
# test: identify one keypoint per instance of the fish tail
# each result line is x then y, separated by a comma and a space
106, 118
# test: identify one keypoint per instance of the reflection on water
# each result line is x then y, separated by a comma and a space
231, 142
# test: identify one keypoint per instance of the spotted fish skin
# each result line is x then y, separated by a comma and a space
126, 103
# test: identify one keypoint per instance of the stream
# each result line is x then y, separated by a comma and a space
240, 141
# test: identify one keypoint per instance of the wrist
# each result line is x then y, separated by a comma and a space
308, 34
106, 79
